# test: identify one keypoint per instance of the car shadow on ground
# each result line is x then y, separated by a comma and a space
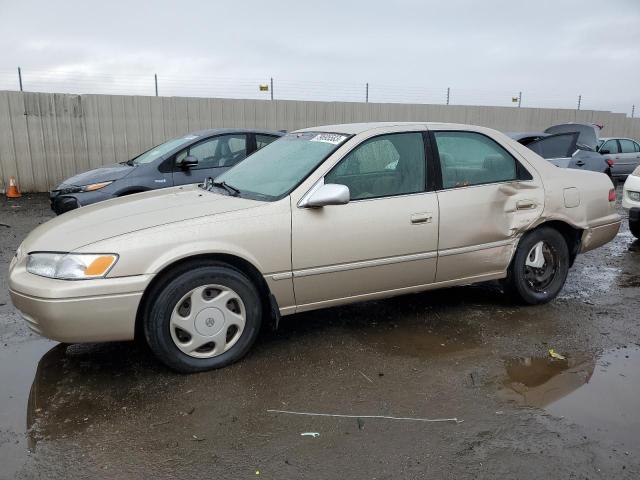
75, 386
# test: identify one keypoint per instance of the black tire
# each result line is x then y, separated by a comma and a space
164, 297
634, 226
517, 283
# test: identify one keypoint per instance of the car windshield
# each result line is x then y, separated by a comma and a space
275, 170
162, 149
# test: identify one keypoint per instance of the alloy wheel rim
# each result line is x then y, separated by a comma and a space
207, 321
541, 265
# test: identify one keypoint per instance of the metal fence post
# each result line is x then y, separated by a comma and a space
519, 99
271, 88
155, 77
366, 94
20, 78
448, 94
579, 101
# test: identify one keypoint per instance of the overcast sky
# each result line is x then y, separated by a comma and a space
485, 51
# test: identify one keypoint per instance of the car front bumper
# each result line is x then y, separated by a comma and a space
77, 311
62, 202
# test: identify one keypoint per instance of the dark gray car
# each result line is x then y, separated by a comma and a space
182, 160
564, 150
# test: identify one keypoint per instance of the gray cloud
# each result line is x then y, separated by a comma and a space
407, 50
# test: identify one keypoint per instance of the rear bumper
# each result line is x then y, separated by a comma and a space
595, 237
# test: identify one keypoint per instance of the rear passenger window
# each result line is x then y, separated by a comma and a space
469, 158
611, 146
383, 166
264, 140
627, 146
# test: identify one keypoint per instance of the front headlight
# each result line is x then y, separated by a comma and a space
95, 186
71, 266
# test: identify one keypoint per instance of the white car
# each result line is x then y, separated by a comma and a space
631, 201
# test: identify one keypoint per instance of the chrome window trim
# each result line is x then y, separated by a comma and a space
303, 203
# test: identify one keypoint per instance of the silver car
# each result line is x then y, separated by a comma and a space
623, 152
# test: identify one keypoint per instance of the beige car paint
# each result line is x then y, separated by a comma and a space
339, 254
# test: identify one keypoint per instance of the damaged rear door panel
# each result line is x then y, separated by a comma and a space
487, 199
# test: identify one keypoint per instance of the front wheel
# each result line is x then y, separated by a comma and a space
539, 267
203, 318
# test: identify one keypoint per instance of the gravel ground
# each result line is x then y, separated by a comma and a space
112, 411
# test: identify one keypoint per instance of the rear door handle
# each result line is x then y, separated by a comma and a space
580, 163
424, 217
525, 205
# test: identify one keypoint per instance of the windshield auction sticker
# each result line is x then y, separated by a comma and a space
332, 138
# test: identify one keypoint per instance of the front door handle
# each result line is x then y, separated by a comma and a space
424, 217
580, 163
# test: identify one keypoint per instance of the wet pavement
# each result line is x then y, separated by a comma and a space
111, 411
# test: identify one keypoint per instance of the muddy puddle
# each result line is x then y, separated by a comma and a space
601, 393
17, 370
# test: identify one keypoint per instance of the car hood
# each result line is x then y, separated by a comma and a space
97, 175
123, 215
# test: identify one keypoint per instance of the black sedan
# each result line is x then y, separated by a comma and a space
182, 160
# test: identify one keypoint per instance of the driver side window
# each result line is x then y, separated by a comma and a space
383, 166
220, 151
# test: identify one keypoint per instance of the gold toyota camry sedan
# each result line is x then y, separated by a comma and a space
321, 217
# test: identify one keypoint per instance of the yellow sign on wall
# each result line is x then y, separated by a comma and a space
264, 87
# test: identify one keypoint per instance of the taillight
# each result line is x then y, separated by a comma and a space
612, 195
610, 162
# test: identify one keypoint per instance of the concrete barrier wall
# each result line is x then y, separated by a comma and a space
47, 137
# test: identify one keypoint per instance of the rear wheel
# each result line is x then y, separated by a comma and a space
204, 318
539, 267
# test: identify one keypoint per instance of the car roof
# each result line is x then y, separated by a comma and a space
356, 128
218, 131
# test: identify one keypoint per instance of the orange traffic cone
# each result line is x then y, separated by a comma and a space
12, 191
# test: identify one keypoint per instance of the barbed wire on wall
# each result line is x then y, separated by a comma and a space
52, 81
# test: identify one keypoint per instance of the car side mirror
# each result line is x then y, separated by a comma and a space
604, 152
188, 162
328, 194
